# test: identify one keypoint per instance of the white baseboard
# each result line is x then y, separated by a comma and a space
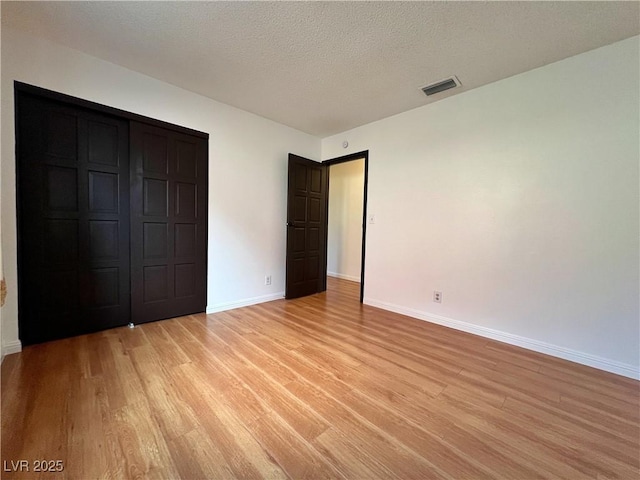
344, 277
221, 307
595, 361
11, 347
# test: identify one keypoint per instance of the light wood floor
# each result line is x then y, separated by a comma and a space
319, 387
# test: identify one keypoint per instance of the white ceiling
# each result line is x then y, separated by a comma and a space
325, 67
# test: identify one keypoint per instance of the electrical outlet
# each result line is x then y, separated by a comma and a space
267, 280
437, 296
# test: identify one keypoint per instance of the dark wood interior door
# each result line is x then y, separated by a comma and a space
168, 223
307, 195
73, 220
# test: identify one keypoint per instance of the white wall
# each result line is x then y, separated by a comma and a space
519, 201
247, 162
346, 194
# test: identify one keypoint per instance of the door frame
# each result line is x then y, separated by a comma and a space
334, 161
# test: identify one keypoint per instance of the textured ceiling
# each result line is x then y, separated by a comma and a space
325, 67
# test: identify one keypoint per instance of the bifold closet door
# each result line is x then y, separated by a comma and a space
168, 223
73, 220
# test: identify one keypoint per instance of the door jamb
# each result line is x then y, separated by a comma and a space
334, 161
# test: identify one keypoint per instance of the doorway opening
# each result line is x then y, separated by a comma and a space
346, 218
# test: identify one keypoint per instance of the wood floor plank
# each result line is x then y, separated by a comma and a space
145, 449
317, 387
618, 450
443, 455
171, 353
174, 417
372, 442
196, 455
561, 459
222, 422
337, 448
297, 458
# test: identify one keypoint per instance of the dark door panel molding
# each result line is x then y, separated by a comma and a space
169, 175
306, 259
73, 220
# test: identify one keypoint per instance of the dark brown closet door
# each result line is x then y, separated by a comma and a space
73, 220
168, 223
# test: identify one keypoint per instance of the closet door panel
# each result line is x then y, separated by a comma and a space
168, 223
73, 220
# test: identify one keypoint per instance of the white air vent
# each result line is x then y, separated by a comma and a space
441, 86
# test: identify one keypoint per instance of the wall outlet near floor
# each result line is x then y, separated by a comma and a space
437, 296
267, 280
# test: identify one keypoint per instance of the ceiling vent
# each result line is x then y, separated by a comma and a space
441, 86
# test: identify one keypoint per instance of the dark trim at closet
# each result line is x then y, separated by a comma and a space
116, 112
348, 158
